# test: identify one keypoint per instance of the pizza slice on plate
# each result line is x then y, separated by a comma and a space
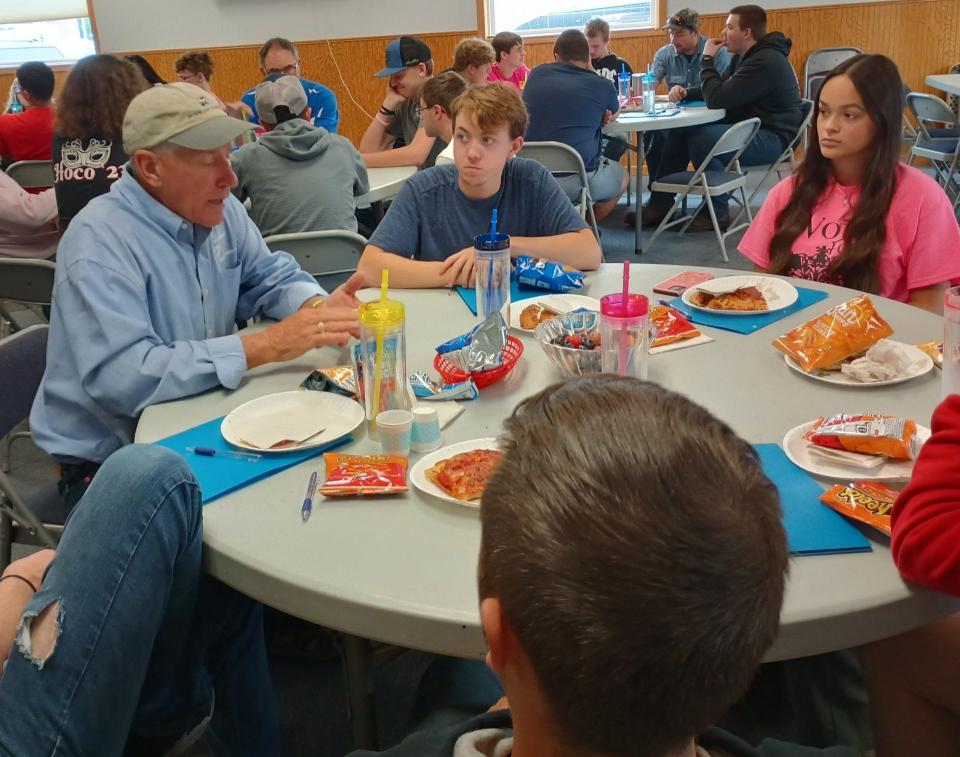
744, 298
464, 476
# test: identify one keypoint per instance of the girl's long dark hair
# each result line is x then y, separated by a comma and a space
878, 83
96, 95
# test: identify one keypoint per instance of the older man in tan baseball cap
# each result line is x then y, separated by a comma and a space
151, 280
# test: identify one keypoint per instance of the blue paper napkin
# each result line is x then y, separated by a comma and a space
747, 324
517, 293
812, 527
692, 104
222, 475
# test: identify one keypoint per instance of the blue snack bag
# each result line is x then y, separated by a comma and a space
547, 274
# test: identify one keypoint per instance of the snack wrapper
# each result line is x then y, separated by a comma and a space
480, 349
364, 475
842, 331
425, 388
547, 274
670, 326
866, 501
338, 379
935, 350
885, 435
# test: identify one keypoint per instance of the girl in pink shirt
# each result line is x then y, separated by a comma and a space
853, 214
509, 67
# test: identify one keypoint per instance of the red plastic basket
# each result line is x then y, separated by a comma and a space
451, 374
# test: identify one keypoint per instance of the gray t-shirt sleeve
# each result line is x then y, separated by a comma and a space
556, 213
399, 231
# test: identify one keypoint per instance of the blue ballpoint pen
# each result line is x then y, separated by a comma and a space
308, 500
235, 454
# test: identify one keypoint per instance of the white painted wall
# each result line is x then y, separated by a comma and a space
126, 25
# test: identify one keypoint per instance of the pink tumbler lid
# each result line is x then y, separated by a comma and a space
615, 306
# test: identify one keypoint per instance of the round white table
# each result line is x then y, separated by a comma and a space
385, 183
949, 83
402, 569
638, 123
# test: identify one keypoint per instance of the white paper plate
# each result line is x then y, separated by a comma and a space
418, 474
339, 416
797, 449
563, 303
779, 293
921, 364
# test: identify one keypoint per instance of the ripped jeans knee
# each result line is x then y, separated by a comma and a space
39, 630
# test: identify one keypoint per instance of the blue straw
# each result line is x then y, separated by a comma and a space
493, 222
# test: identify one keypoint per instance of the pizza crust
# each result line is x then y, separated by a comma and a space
464, 476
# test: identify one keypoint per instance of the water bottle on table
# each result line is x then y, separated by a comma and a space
624, 85
492, 272
950, 378
649, 92
624, 331
383, 354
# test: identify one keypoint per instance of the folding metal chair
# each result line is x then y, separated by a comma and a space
32, 174
930, 113
37, 520
559, 158
329, 256
816, 67
29, 282
708, 183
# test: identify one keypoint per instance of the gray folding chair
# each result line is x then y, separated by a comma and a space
32, 174
329, 256
787, 158
708, 183
36, 520
559, 158
815, 69
933, 117
29, 282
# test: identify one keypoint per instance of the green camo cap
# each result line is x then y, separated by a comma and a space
683, 19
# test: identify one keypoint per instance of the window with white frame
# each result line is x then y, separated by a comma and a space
533, 17
54, 31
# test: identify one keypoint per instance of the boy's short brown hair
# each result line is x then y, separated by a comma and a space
442, 90
196, 63
751, 17
472, 52
597, 27
493, 106
637, 551
504, 42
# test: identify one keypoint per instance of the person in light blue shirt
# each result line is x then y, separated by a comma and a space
150, 281
280, 56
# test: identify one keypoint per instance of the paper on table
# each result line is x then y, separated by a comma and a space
702, 339
265, 429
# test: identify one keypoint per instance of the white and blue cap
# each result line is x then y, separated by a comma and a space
404, 52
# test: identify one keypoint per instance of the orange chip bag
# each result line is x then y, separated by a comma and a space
885, 435
671, 326
364, 475
865, 501
842, 331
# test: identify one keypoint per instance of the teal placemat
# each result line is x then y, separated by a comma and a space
747, 324
517, 293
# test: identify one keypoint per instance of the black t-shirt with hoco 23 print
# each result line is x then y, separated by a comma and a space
84, 169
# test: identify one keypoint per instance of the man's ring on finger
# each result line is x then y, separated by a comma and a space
321, 326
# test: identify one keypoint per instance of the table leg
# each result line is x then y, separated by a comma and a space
358, 668
637, 249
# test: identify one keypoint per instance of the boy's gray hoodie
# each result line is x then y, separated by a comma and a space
300, 177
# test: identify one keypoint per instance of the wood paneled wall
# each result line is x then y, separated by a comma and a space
922, 36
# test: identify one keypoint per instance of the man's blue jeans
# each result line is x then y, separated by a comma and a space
146, 641
670, 151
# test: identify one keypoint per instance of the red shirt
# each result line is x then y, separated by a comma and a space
926, 518
27, 135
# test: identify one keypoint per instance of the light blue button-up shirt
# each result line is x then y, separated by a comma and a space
144, 309
684, 70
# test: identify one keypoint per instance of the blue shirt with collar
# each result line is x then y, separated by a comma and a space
144, 309
684, 70
322, 102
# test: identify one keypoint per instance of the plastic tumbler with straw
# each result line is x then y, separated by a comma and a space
624, 331
950, 376
383, 352
492, 272
623, 79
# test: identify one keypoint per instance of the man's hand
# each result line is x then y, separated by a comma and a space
608, 116
345, 295
501, 704
459, 268
393, 99
676, 93
712, 46
332, 322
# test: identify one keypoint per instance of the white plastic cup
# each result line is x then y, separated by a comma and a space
950, 376
426, 435
395, 427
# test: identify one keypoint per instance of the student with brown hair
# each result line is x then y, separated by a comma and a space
509, 66
197, 68
623, 611
426, 238
88, 154
436, 105
605, 63
853, 214
472, 59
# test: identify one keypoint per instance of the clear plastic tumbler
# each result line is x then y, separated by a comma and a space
950, 378
492, 256
624, 334
384, 358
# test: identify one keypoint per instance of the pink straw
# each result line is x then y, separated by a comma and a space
623, 324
